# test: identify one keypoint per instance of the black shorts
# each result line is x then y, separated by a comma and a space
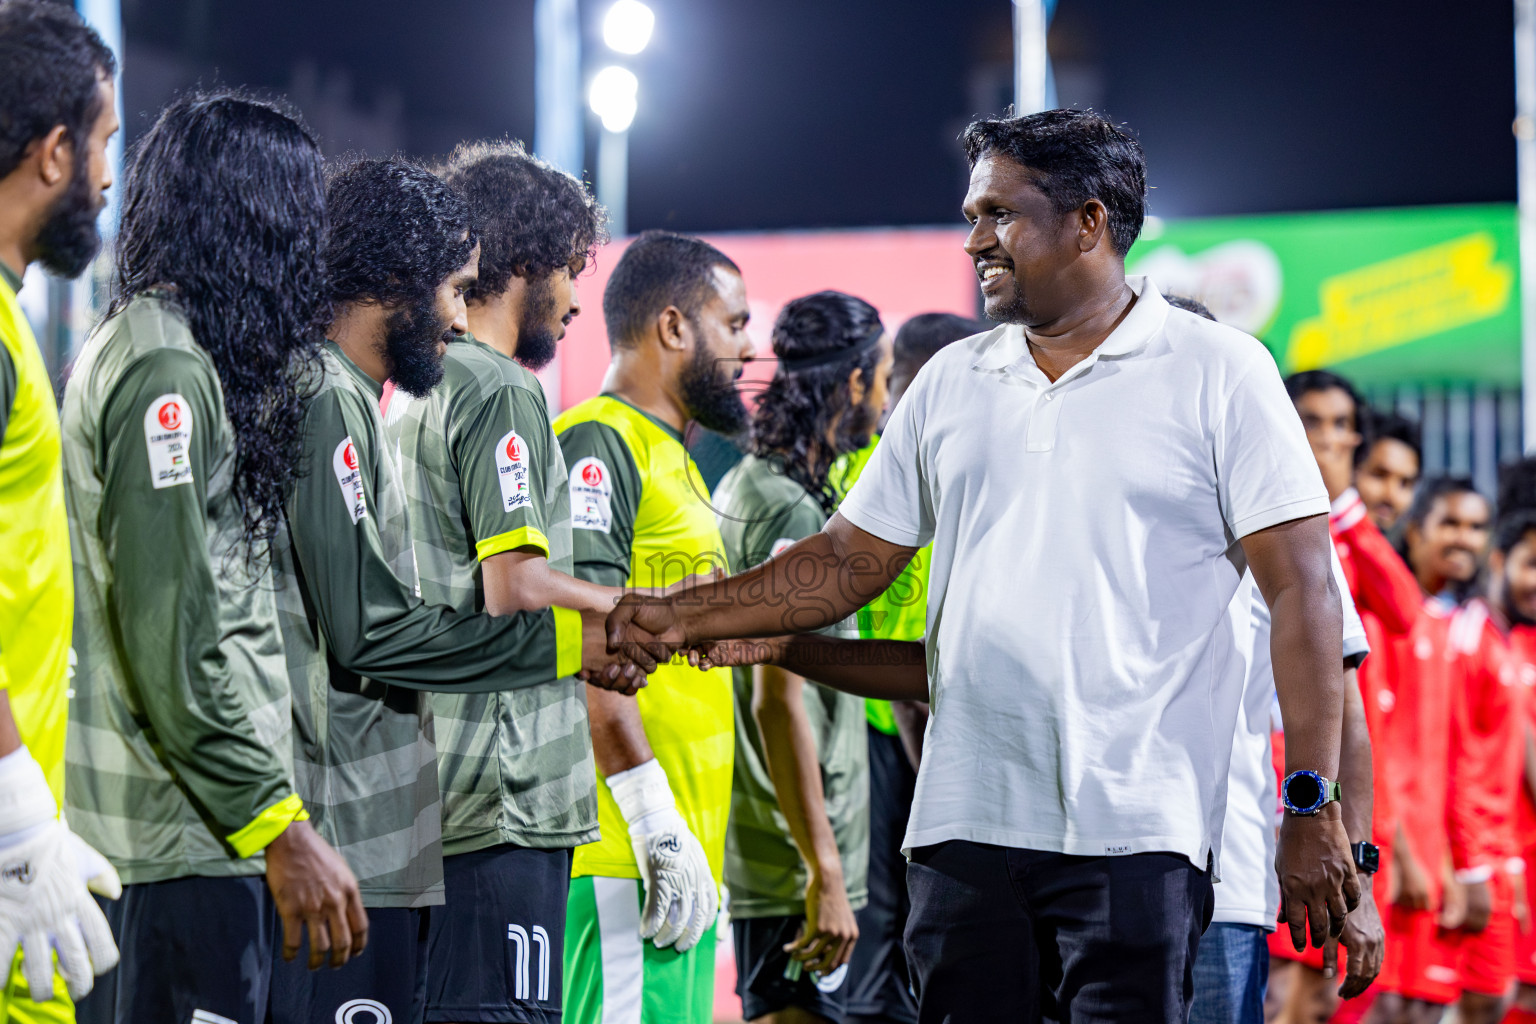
385, 985
879, 986
768, 980
494, 950
197, 949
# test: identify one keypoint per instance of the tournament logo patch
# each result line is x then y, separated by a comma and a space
512, 472
350, 477
591, 495
363, 1011
168, 437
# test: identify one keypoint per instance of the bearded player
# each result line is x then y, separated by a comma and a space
491, 523
56, 116
640, 931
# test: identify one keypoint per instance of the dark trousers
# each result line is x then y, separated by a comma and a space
998, 934
1230, 975
879, 986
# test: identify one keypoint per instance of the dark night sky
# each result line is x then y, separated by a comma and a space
810, 113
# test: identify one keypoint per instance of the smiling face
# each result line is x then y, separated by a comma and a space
1449, 546
1020, 245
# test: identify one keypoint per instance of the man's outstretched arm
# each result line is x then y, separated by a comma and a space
1291, 566
812, 584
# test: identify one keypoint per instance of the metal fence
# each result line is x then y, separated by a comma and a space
1469, 430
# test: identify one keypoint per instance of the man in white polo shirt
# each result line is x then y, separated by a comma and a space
1094, 477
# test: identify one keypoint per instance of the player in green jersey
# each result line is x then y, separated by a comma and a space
798, 843
640, 933
491, 524
56, 115
879, 984
180, 432
361, 644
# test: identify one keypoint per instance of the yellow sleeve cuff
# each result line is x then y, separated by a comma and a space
268, 825
567, 642
522, 537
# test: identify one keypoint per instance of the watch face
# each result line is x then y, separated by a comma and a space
1369, 859
1304, 791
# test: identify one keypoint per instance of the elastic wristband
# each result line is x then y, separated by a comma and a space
641, 792
267, 826
522, 537
567, 642
1474, 876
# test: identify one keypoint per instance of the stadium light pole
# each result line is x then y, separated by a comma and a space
558, 124
1525, 153
614, 93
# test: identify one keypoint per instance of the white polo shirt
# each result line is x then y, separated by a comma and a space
1249, 892
1084, 673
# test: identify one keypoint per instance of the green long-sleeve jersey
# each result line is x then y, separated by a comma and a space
178, 753
484, 474
362, 645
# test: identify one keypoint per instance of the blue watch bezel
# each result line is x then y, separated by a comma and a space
1323, 793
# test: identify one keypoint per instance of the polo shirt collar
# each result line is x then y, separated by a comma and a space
1007, 345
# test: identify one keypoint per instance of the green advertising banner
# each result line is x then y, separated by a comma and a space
1426, 295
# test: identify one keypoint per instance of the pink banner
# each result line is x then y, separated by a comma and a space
902, 272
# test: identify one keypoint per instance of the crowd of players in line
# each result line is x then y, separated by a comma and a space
341, 678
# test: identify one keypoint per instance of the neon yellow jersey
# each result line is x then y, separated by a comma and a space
36, 580
640, 517
901, 613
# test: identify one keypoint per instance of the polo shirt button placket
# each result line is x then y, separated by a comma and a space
1041, 434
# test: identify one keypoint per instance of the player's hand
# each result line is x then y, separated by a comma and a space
736, 653
826, 939
45, 905
603, 668
314, 889
1366, 941
1479, 903
1318, 885
647, 630
680, 896
1410, 886
1453, 903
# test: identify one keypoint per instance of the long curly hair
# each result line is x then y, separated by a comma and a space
533, 219
399, 231
224, 210
797, 410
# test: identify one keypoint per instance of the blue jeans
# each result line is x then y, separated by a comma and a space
1231, 970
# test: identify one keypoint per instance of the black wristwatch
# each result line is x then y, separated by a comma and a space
1367, 857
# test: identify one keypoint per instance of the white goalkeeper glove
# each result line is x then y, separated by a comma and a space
680, 895
44, 873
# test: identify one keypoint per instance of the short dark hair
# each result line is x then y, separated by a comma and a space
1431, 491
920, 338
1076, 155
659, 269
1379, 425
1512, 528
1517, 485
532, 218
1190, 305
1308, 381
397, 232
50, 61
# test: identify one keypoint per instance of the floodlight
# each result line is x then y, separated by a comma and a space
628, 25
613, 97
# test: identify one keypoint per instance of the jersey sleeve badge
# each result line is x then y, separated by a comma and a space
512, 472
168, 436
350, 476
591, 495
